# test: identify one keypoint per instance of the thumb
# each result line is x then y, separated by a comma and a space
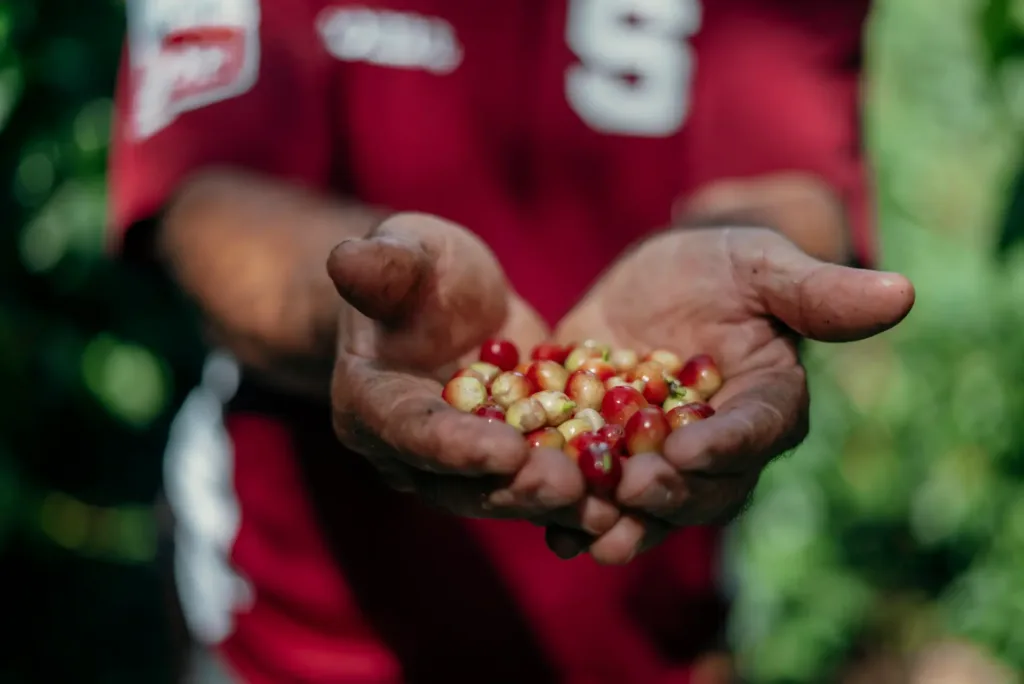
819, 300
381, 276
427, 290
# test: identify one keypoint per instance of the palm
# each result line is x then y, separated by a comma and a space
421, 294
701, 308
743, 296
425, 295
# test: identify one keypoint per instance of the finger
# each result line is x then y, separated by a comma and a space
764, 414
383, 412
433, 289
565, 542
540, 486
548, 481
575, 527
818, 300
630, 536
592, 515
651, 485
379, 276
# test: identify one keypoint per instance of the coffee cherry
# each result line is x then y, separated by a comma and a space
465, 393
586, 389
600, 467
668, 360
491, 412
656, 391
656, 387
588, 399
645, 370
595, 419
619, 381
620, 403
578, 355
624, 360
488, 371
547, 376
510, 387
679, 395
557, 407
646, 431
688, 413
545, 437
469, 373
574, 446
571, 428
615, 436
500, 353
701, 373
601, 348
526, 415
549, 351
599, 367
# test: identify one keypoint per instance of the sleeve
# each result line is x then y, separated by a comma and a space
782, 83
232, 83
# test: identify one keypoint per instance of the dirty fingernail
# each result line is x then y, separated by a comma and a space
565, 544
502, 498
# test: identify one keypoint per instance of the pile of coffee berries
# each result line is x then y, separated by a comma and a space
598, 405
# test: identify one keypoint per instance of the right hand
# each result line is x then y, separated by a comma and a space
421, 294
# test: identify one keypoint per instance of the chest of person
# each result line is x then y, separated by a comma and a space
535, 101
551, 127
561, 131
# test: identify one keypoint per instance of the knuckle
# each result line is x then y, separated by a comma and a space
610, 555
597, 522
473, 459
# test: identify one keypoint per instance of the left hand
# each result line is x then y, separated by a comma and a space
742, 295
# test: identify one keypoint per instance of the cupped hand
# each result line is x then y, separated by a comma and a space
743, 295
421, 294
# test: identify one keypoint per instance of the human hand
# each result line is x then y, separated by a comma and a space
743, 295
421, 294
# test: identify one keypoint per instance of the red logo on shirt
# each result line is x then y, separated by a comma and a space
187, 54
202, 59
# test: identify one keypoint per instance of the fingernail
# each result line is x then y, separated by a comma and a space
564, 546
568, 553
502, 498
547, 498
659, 497
396, 241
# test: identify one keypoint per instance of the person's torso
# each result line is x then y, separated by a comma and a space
553, 129
560, 131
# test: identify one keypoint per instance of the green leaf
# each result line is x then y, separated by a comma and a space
1011, 232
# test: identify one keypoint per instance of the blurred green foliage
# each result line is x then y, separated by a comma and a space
93, 360
900, 522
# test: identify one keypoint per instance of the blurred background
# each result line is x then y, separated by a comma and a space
889, 546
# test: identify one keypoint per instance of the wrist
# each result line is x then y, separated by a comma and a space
251, 252
799, 206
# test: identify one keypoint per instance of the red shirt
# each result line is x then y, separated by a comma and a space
571, 123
